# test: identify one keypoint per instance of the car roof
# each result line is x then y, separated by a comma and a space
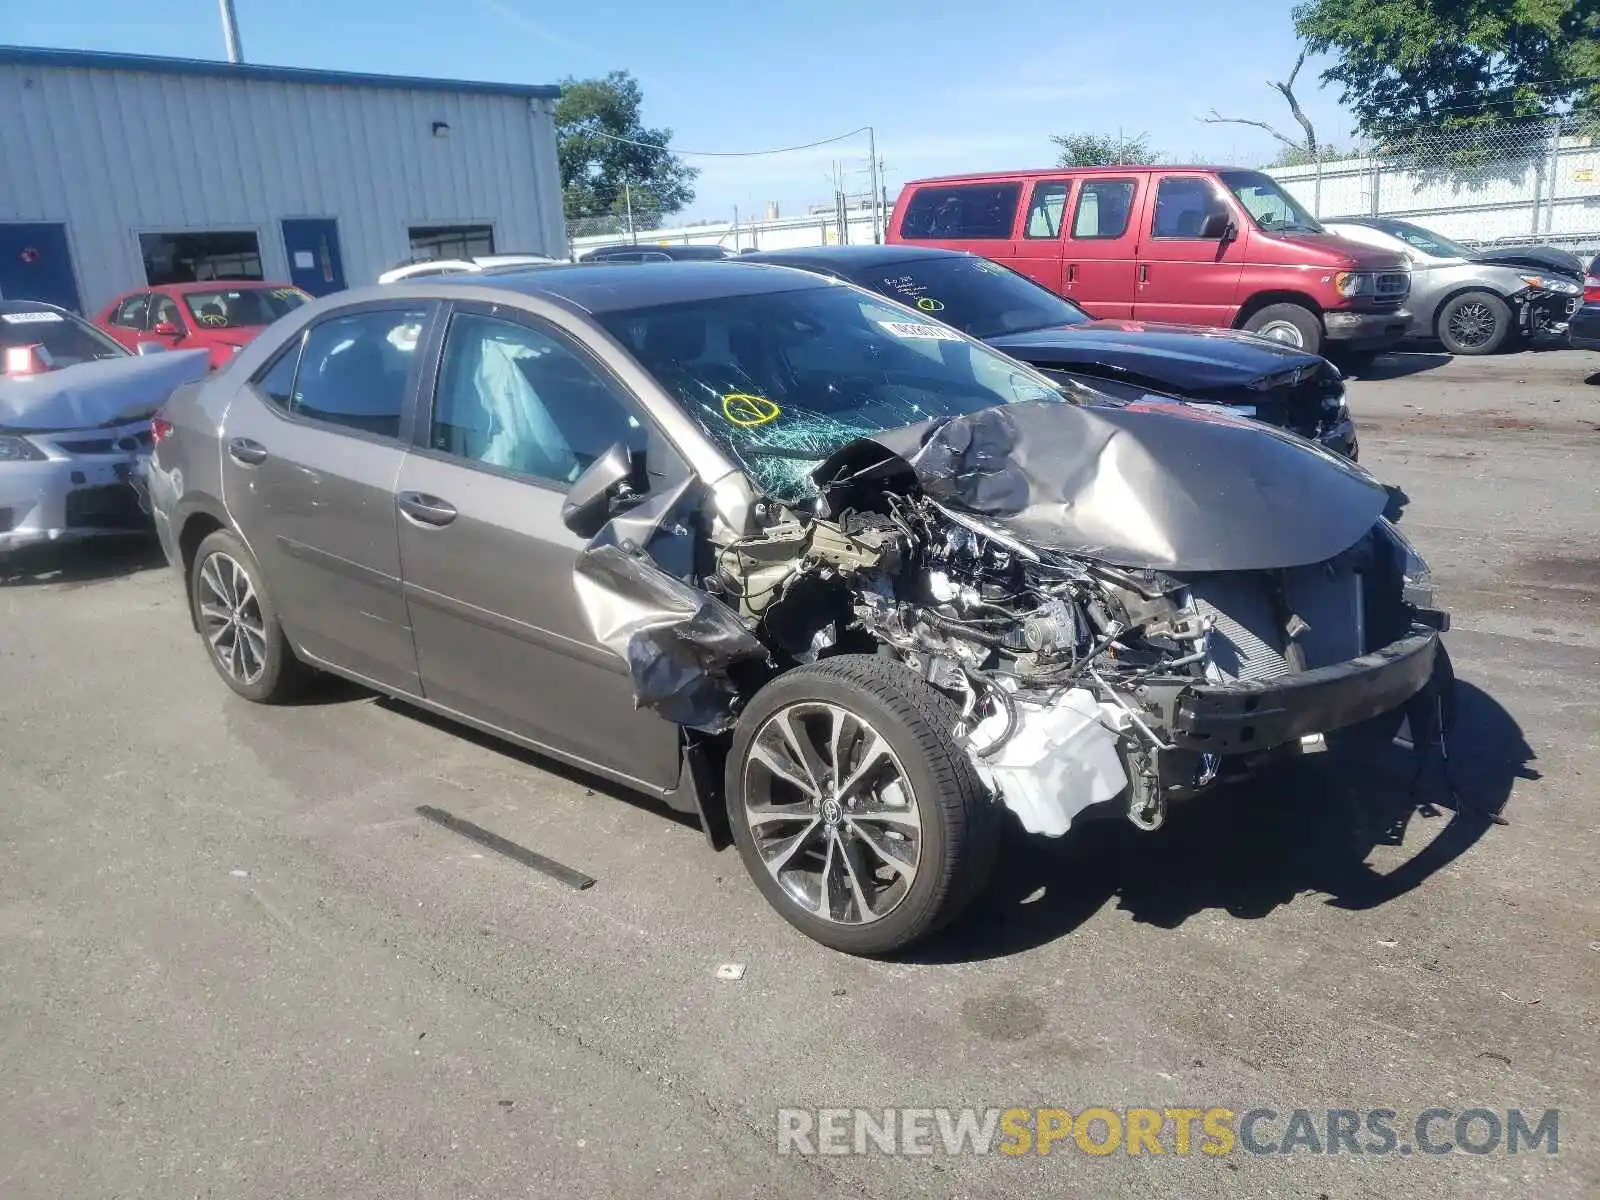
611, 287
1056, 172
19, 306
681, 252
214, 285
850, 258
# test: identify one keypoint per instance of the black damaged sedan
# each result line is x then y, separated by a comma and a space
1248, 375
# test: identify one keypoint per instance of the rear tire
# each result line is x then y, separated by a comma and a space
1474, 323
236, 620
1291, 324
857, 815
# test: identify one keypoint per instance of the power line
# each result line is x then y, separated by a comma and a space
611, 137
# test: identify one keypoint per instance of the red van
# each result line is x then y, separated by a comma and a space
1197, 245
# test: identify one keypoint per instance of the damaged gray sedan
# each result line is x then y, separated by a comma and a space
830, 575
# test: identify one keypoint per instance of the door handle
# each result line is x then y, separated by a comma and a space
1144, 272
425, 509
247, 453
1072, 272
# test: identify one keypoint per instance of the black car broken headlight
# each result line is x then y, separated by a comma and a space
1416, 578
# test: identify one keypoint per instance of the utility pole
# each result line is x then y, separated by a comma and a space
627, 200
230, 31
872, 151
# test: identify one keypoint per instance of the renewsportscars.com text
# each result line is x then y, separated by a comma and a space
1211, 1131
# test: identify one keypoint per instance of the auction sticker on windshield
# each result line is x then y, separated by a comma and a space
29, 318
916, 329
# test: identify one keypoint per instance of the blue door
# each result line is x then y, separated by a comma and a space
35, 264
312, 244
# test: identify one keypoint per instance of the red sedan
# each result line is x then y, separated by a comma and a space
219, 315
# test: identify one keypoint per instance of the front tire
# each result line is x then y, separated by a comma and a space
1474, 323
243, 638
856, 813
1291, 324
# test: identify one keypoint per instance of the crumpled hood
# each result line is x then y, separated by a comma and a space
1153, 485
87, 395
1184, 357
1545, 260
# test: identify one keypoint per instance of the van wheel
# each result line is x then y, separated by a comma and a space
856, 813
1290, 324
243, 639
1474, 323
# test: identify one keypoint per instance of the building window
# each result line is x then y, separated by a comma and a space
451, 241
187, 257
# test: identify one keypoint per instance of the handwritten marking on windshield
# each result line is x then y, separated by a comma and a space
745, 410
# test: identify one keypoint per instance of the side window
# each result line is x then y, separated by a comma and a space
1105, 207
130, 313
276, 383
526, 401
1182, 205
965, 211
1045, 209
164, 309
354, 369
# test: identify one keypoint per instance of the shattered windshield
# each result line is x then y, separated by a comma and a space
978, 297
781, 380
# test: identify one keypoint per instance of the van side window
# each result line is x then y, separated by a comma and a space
1045, 209
1182, 205
1105, 207
968, 211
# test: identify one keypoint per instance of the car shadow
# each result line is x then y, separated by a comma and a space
1593, 380
1308, 827
590, 782
1398, 365
81, 563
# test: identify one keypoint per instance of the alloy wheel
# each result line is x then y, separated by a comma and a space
831, 813
1472, 324
230, 618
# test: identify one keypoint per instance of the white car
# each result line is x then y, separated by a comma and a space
420, 267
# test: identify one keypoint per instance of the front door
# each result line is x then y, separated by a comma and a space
311, 453
1188, 270
519, 409
1101, 249
312, 244
35, 264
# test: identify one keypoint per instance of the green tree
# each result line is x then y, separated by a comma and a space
591, 116
1102, 150
1413, 70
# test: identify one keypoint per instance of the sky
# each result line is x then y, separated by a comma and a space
947, 85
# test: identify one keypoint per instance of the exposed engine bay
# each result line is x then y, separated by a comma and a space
1083, 674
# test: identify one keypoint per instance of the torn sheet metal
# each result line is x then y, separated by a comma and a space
677, 640
1058, 761
1150, 485
111, 391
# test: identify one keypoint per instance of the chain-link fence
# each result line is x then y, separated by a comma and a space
1521, 181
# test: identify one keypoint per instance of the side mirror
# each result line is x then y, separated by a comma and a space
616, 477
149, 348
166, 329
1218, 226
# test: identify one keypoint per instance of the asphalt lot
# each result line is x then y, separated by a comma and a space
234, 962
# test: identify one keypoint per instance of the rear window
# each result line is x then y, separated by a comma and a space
965, 211
66, 339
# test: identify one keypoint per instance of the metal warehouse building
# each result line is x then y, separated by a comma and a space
118, 171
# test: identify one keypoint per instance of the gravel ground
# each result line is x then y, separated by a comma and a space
235, 962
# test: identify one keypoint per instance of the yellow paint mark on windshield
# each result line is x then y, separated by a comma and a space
744, 410
929, 304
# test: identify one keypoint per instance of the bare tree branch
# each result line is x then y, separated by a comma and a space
1286, 90
1217, 118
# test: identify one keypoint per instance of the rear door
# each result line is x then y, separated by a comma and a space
1037, 249
1101, 250
1183, 274
519, 408
311, 450
978, 217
